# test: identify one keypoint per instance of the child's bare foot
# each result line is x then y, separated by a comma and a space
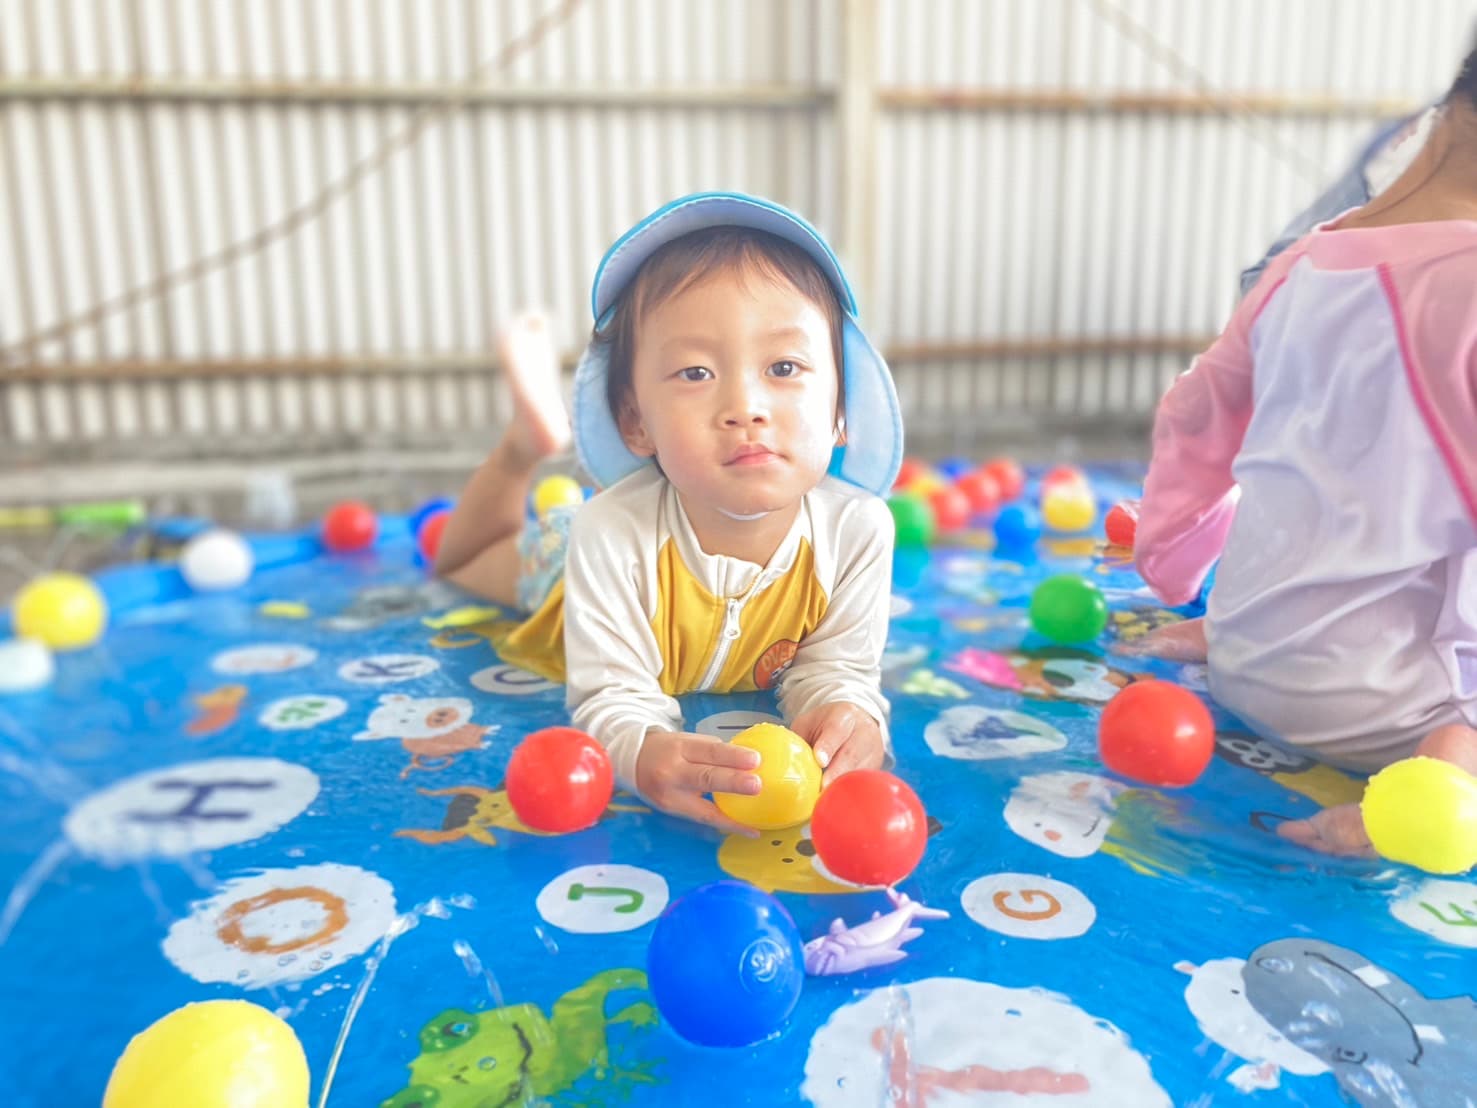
540, 424
1174, 642
1336, 830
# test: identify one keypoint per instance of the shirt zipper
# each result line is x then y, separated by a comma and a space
726, 637
729, 633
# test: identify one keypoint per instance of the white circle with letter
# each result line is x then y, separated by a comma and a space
725, 725
1445, 910
282, 925
298, 713
510, 681
599, 900
386, 669
1028, 906
190, 807
263, 658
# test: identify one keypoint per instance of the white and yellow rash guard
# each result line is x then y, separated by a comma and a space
651, 616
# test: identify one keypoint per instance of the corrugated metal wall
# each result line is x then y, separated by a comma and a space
1063, 190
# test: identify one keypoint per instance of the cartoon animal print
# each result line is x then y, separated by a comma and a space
475, 811
219, 708
784, 861
1052, 673
434, 728
1387, 1043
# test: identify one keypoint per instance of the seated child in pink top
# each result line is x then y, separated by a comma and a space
1324, 450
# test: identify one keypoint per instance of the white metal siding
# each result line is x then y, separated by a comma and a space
1023, 259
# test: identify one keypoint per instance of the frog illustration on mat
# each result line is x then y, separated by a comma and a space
506, 1055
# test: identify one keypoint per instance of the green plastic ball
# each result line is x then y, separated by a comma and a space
913, 519
1068, 609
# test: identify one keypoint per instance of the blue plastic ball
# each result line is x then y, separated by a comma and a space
1017, 525
426, 511
955, 468
725, 965
909, 564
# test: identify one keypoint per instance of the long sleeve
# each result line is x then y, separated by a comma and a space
611, 654
841, 660
1189, 495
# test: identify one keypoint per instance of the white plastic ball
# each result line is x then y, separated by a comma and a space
216, 560
25, 665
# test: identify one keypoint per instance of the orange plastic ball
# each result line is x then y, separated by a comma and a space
869, 828
951, 508
982, 490
350, 525
908, 472
1061, 475
428, 538
1010, 478
1156, 733
559, 780
1122, 523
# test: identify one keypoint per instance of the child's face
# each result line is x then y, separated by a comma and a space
735, 389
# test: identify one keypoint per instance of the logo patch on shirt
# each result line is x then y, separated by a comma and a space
773, 662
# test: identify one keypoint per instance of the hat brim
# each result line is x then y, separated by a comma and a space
698, 213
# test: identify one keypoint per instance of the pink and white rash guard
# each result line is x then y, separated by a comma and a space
1325, 449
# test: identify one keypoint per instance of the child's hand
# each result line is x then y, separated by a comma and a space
844, 736
675, 769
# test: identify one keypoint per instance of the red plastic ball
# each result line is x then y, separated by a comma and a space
908, 472
951, 508
1122, 524
1010, 478
1156, 733
559, 780
1057, 476
428, 538
869, 828
350, 525
982, 490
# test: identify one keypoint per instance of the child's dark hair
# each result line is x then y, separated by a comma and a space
1465, 86
685, 261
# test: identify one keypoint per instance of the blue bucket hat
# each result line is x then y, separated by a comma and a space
874, 424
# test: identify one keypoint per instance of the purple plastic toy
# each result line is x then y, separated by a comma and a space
878, 942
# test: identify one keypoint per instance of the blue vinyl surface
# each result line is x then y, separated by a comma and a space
291, 793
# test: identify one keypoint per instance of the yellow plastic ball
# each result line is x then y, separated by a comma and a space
790, 775
1423, 812
64, 610
556, 491
215, 1054
1069, 509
